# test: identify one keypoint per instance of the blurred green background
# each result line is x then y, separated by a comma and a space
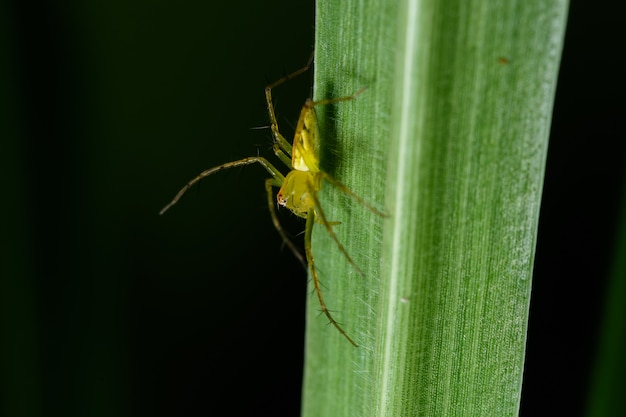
108, 108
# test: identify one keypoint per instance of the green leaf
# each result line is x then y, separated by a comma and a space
450, 138
606, 394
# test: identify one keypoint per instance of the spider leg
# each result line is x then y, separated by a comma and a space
283, 155
310, 221
344, 189
279, 139
269, 183
311, 103
327, 225
245, 161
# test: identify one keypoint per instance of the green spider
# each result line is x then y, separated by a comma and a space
298, 191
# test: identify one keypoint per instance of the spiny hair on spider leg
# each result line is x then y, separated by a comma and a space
328, 323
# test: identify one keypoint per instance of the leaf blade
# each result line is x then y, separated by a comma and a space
443, 309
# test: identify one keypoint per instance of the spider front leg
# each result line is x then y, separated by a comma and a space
277, 180
245, 161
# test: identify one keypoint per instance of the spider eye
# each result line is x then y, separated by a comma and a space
281, 199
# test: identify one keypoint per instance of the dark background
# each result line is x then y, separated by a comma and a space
109, 309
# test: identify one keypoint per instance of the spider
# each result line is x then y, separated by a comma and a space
298, 190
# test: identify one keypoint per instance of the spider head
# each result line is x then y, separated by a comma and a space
295, 193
